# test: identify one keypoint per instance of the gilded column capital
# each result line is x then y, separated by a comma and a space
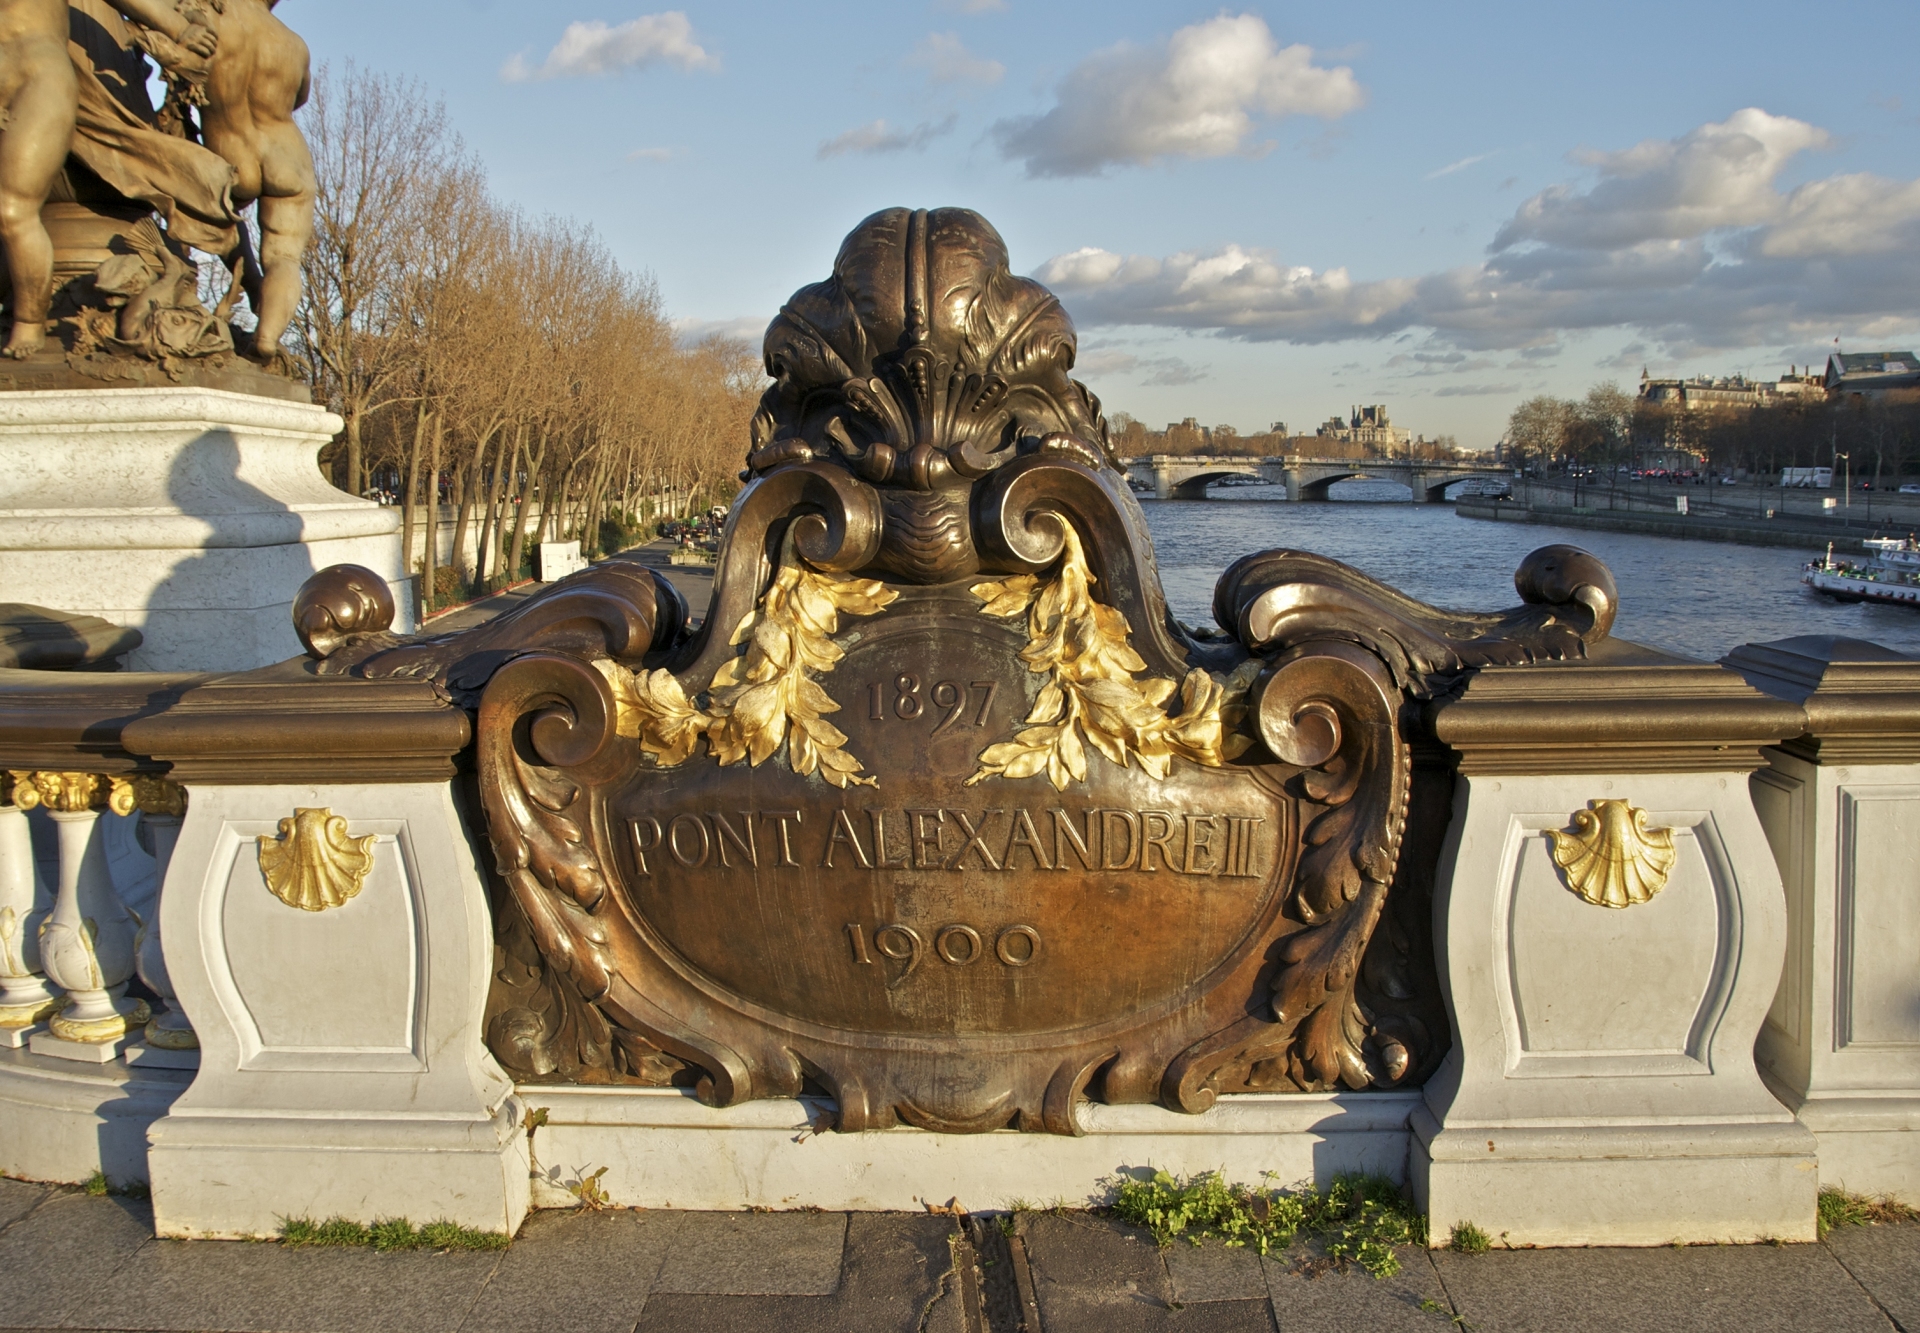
149, 795
68, 793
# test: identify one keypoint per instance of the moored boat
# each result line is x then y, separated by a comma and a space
1889, 573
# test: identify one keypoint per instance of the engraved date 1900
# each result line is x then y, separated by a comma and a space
1016, 946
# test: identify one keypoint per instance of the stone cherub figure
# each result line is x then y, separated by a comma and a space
37, 108
247, 89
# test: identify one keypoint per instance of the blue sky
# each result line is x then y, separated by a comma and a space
1257, 213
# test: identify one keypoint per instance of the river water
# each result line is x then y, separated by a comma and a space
1698, 599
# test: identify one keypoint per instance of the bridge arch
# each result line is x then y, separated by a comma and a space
1195, 487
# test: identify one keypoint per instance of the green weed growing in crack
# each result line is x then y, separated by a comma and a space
1840, 1209
1428, 1305
99, 1187
1467, 1238
388, 1234
1359, 1219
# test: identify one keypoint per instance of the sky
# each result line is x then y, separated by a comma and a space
1256, 213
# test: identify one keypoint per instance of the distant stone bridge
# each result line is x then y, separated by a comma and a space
1178, 477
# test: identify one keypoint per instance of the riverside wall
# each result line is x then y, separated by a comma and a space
1793, 532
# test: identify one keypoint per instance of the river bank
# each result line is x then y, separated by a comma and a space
1791, 531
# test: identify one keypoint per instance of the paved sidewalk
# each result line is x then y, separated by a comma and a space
71, 1261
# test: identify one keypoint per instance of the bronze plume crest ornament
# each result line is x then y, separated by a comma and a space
938, 811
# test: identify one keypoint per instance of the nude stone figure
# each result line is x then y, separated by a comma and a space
255, 81
37, 109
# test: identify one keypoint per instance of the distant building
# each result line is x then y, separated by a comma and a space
1868, 374
1369, 426
1704, 392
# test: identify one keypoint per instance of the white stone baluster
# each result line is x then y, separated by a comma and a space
26, 998
170, 1039
87, 945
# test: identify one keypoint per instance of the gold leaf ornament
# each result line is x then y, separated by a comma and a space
1611, 858
768, 696
1083, 648
314, 865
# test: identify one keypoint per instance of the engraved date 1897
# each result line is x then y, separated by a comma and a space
906, 698
1016, 946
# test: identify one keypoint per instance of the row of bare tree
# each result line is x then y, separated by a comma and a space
1611, 429
503, 369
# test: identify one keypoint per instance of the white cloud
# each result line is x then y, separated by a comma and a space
1687, 242
1851, 215
976, 6
1110, 363
1461, 165
880, 137
747, 328
1719, 175
653, 154
1199, 94
592, 47
947, 60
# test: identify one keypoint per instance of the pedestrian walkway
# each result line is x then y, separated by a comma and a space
73, 1261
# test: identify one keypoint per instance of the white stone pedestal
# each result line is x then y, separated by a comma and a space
1841, 809
1601, 1088
342, 1071
193, 515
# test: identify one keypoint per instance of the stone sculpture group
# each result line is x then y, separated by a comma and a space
77, 127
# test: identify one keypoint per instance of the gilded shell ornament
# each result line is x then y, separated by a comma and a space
313, 865
1612, 859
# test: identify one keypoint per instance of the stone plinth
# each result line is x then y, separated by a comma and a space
328, 936
190, 514
1602, 1089
1841, 808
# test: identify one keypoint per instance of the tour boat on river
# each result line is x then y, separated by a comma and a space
1890, 573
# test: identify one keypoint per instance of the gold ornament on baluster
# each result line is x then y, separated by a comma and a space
66, 792
1612, 859
148, 795
313, 865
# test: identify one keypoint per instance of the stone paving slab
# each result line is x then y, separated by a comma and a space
1752, 1288
586, 1272
1310, 1296
17, 1199
755, 1254
237, 1287
1885, 1260
65, 1249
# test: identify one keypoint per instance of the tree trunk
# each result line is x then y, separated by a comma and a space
409, 510
526, 505
353, 453
433, 517
469, 493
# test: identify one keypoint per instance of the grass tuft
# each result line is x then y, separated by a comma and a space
1360, 1219
1841, 1209
1467, 1238
96, 1185
389, 1234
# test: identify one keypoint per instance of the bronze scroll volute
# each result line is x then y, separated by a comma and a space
1560, 575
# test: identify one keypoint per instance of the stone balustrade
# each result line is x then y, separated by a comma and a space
318, 1042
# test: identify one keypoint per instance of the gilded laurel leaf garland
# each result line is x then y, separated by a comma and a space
1082, 647
768, 696
314, 865
1612, 859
